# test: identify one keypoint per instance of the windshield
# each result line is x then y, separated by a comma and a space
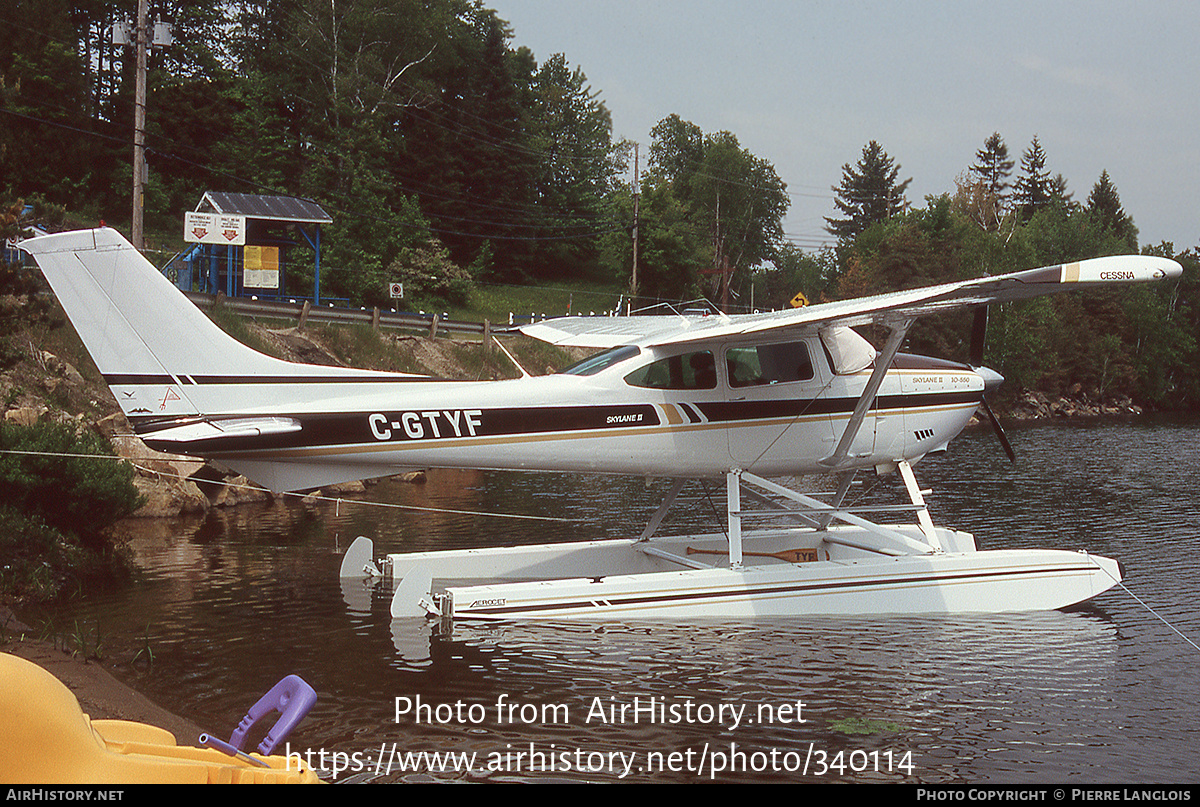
594, 364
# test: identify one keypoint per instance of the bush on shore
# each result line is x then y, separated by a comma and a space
60, 491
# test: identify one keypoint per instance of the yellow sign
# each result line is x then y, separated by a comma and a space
262, 267
799, 301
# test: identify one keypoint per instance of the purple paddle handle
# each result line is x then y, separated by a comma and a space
209, 741
292, 698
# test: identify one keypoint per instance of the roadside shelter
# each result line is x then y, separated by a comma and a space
241, 244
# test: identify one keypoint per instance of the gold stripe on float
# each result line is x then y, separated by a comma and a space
1070, 273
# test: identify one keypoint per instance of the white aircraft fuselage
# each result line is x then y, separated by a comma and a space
564, 422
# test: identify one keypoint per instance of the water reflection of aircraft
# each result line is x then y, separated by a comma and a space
742, 398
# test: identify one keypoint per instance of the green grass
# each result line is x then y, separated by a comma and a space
234, 325
495, 302
362, 346
538, 358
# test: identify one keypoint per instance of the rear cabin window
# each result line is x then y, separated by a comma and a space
685, 371
768, 364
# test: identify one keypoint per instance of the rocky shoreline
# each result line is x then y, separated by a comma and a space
61, 385
1032, 405
177, 485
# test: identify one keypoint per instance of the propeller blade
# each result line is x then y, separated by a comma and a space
978, 335
1012, 457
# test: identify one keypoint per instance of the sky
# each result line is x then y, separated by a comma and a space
806, 84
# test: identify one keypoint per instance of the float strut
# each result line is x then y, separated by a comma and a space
733, 494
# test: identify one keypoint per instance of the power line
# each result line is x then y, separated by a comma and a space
345, 212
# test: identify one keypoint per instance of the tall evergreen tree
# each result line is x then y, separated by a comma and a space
575, 167
868, 194
1104, 205
467, 153
43, 103
1033, 190
993, 168
1060, 197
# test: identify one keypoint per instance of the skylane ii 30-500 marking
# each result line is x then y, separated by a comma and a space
741, 397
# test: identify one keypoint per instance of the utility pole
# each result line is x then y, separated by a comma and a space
143, 41
721, 260
139, 131
633, 279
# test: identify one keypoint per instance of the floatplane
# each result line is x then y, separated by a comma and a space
743, 398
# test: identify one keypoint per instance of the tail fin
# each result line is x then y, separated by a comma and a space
132, 319
154, 347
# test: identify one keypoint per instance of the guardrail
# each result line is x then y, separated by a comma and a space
376, 318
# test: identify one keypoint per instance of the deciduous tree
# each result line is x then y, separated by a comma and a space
733, 200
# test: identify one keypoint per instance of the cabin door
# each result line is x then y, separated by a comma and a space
776, 405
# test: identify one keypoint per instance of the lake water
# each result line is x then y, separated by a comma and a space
1105, 693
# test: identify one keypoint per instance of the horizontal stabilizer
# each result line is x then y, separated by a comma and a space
225, 430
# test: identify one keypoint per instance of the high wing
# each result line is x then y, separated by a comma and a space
594, 332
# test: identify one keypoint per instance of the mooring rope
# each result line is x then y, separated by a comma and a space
1144, 604
336, 499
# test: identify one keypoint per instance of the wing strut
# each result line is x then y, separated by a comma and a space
882, 362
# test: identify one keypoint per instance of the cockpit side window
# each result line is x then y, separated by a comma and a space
695, 370
601, 361
768, 364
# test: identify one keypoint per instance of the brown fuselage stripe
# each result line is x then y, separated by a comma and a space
354, 429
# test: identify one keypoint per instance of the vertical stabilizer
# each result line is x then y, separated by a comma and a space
130, 317
161, 356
